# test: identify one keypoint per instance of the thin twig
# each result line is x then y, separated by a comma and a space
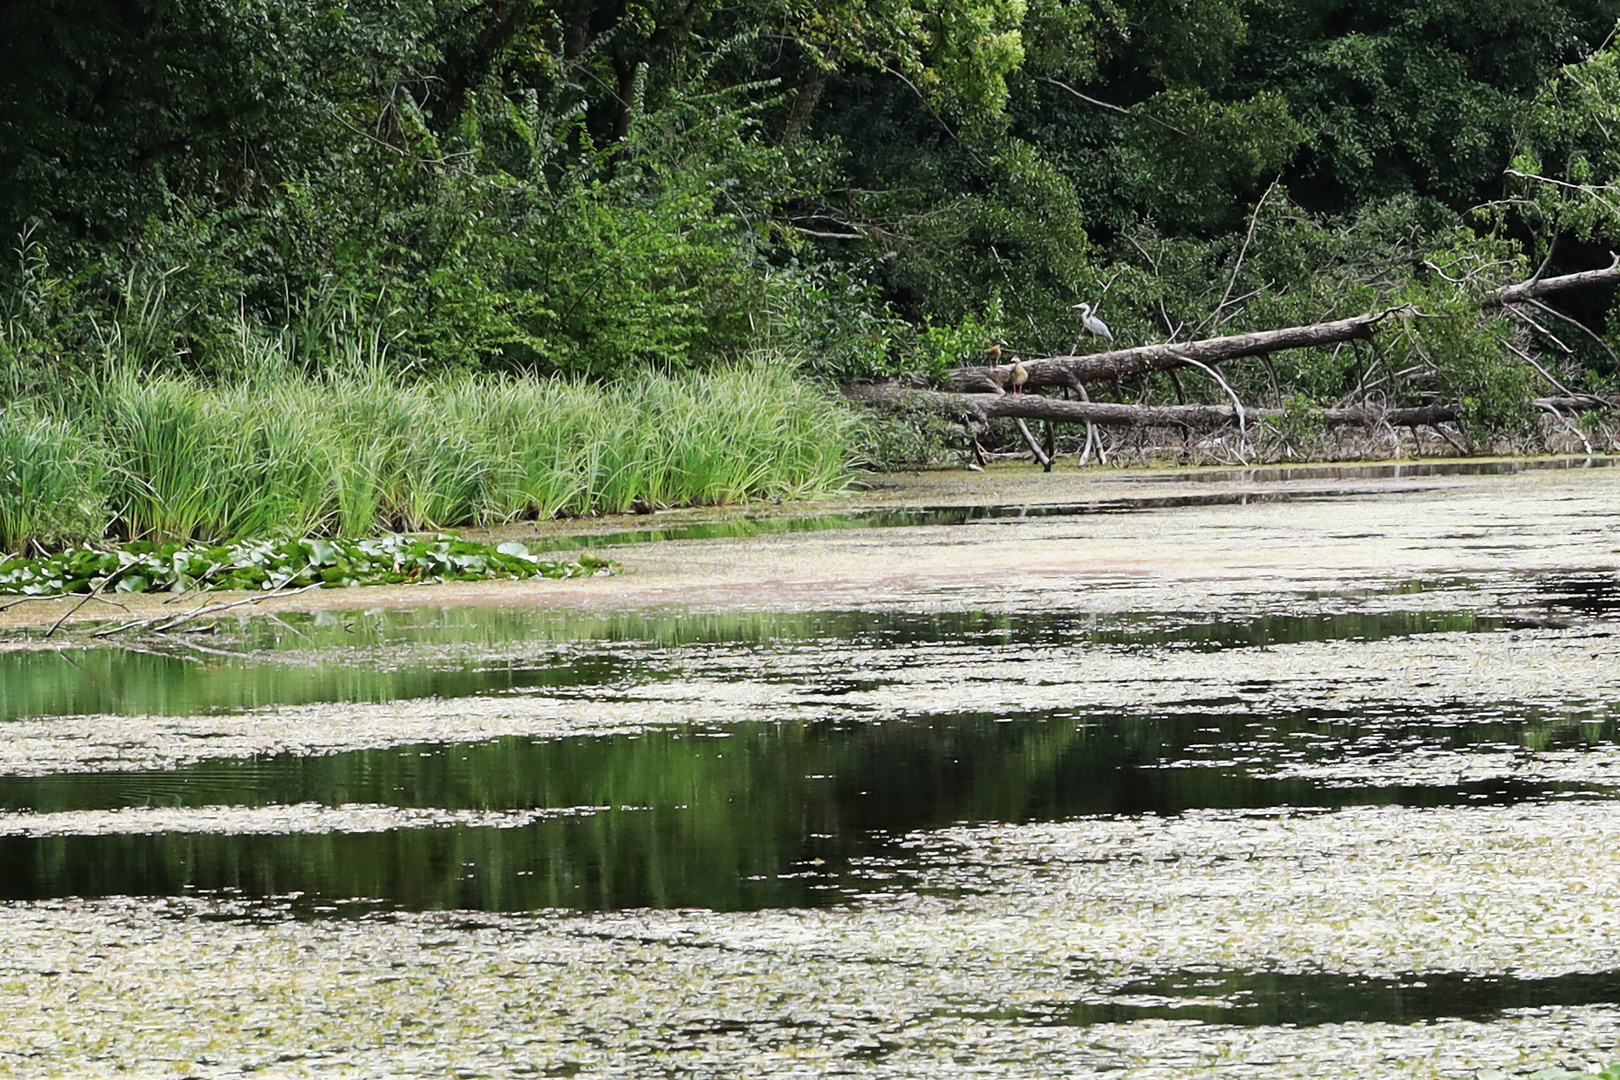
1562, 419
188, 616
1527, 358
1582, 327
929, 108
1121, 110
198, 612
1237, 267
1455, 445
9, 604
1542, 330
89, 596
1585, 189
1175, 331
1238, 405
1034, 447
1092, 438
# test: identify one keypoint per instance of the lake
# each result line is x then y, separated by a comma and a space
1284, 772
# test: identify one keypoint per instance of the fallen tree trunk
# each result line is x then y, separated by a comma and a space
1073, 371
1529, 290
1121, 363
990, 406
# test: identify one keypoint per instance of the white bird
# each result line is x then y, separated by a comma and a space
1092, 323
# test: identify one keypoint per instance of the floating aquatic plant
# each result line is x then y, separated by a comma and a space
1610, 1072
144, 566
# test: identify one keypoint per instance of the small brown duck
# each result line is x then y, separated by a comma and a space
1020, 376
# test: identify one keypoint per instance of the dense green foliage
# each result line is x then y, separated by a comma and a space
170, 458
590, 188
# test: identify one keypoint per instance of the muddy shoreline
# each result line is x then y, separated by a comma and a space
767, 572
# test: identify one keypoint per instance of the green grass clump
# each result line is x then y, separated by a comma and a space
52, 481
169, 458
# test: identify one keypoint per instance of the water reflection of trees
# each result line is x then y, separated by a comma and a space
734, 818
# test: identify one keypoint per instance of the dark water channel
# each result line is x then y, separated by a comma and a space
1303, 999
740, 818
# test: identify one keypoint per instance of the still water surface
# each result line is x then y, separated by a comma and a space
841, 787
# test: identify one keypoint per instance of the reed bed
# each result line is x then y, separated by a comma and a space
172, 458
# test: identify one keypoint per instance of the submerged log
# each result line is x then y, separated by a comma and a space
990, 406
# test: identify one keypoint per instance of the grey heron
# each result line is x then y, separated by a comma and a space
1092, 323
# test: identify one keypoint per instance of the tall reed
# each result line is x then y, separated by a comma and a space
277, 452
52, 481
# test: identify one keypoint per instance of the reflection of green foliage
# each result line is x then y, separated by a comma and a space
725, 818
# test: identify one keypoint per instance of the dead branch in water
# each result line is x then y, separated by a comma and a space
990, 406
171, 621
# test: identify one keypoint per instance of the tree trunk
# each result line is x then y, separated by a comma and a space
1529, 290
804, 103
1123, 363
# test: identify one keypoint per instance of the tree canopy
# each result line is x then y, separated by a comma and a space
593, 186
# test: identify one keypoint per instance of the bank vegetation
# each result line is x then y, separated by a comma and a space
501, 208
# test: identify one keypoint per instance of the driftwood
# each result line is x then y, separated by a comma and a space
1075, 371
983, 406
162, 624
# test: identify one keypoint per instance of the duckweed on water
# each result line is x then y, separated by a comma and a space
278, 564
1328, 858
942, 983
